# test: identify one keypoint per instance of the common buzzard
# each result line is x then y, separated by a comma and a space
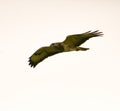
71, 43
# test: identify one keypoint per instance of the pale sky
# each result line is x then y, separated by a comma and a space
73, 81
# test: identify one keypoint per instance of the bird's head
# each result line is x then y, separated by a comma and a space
57, 44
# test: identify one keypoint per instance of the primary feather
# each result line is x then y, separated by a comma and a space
71, 43
43, 53
78, 39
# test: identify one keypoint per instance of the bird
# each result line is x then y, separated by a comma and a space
71, 43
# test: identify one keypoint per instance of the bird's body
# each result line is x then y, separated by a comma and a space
71, 43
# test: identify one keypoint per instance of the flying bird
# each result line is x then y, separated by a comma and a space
71, 43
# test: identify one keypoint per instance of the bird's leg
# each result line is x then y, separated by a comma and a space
81, 49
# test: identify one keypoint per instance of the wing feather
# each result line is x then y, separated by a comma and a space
78, 39
43, 53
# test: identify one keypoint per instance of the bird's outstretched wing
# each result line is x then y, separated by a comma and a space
43, 53
78, 39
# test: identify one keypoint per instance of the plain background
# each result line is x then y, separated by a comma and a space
73, 81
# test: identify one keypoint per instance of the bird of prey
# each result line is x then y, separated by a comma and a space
71, 43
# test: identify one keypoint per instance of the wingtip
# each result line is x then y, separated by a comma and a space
32, 64
97, 33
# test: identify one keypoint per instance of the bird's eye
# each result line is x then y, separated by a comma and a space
53, 44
